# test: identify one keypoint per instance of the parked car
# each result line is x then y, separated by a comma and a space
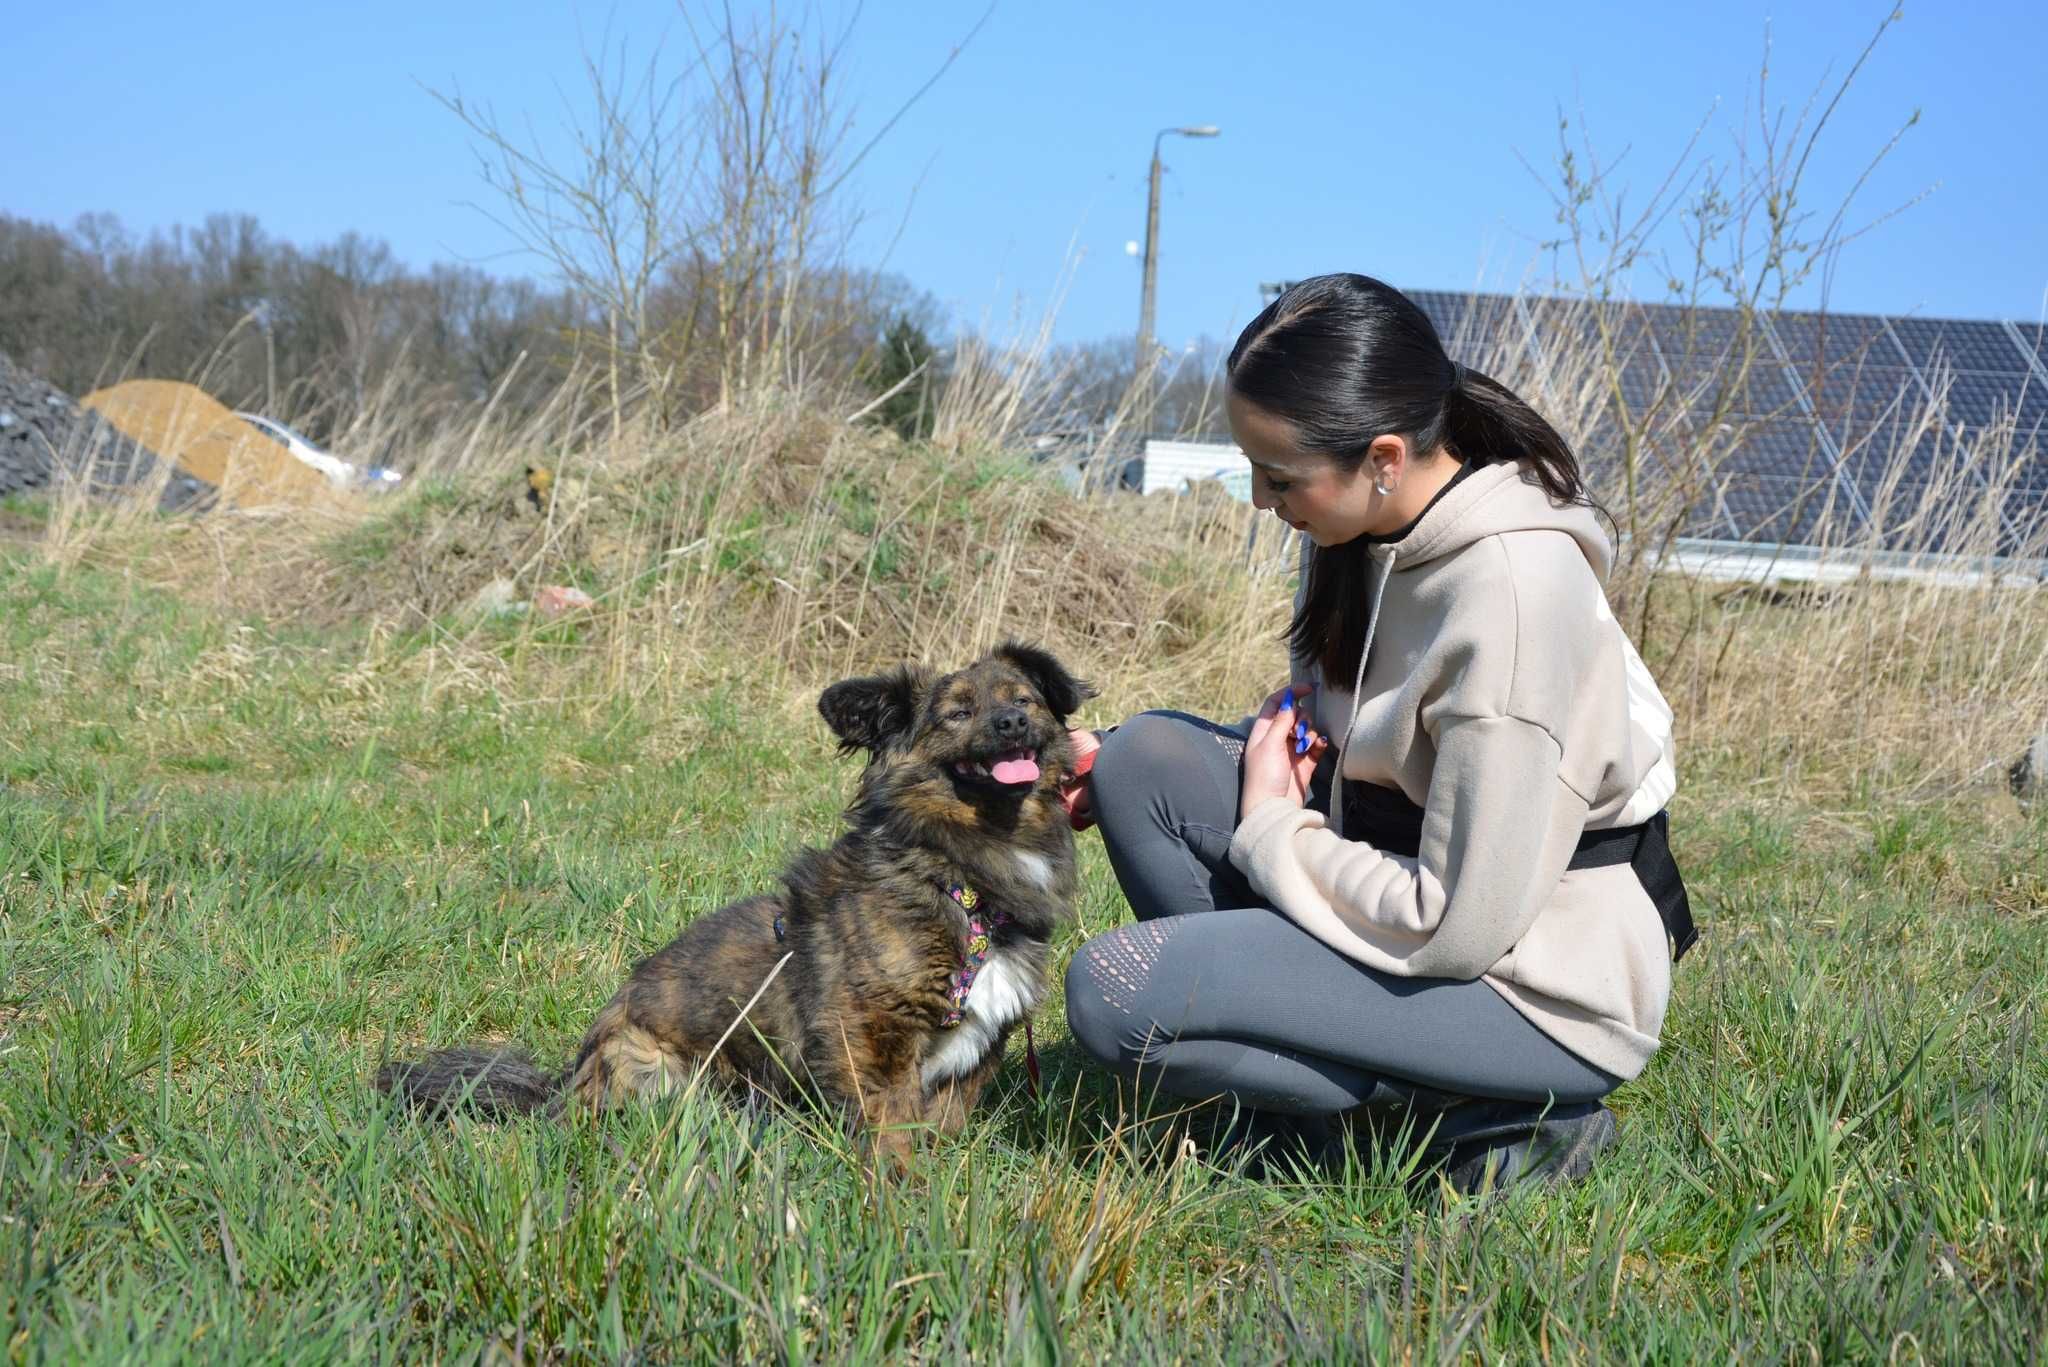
339, 472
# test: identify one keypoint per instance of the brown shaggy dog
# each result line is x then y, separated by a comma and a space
956, 828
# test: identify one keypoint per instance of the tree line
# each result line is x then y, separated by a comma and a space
320, 334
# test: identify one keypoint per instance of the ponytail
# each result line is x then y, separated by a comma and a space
1484, 420
1345, 359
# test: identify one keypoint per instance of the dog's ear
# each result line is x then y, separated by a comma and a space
877, 711
1063, 693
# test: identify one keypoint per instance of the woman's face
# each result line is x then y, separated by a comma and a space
1307, 490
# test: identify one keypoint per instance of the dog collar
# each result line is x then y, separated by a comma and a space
980, 930
975, 955
980, 933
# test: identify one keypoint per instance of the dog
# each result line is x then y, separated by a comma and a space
892, 966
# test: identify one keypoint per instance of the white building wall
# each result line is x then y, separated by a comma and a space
1170, 466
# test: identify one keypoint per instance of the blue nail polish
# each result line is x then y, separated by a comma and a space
1301, 738
1287, 699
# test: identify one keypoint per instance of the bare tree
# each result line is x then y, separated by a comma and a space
701, 212
610, 218
1729, 242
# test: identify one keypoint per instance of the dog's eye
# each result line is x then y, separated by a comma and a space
958, 714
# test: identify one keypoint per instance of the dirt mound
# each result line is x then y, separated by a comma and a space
790, 538
210, 443
42, 430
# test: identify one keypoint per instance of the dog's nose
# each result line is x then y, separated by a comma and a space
1010, 723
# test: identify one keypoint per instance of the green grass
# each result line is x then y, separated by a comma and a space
26, 509
237, 867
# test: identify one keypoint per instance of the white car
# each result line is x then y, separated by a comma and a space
339, 472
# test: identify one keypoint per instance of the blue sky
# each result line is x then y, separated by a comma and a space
1358, 136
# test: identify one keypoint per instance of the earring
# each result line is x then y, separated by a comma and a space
1380, 483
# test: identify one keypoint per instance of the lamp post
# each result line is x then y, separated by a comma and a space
1148, 300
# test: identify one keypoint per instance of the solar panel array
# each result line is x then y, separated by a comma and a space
1907, 432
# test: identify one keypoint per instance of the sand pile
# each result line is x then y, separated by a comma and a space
210, 443
42, 429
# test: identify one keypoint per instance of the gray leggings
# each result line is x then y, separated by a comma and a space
1211, 994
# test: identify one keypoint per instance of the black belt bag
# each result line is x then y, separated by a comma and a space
1385, 819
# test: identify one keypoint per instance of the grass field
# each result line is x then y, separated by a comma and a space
238, 864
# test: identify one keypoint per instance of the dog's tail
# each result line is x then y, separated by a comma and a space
499, 1083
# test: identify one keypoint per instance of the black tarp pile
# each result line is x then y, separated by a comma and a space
43, 429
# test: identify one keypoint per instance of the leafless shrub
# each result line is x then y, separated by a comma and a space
701, 208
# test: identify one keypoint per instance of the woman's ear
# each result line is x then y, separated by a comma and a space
1387, 458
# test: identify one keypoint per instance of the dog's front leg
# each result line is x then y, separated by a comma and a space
951, 1100
892, 1114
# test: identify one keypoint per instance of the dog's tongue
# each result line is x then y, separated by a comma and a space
1017, 768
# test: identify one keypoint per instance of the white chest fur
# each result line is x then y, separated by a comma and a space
1036, 867
1004, 993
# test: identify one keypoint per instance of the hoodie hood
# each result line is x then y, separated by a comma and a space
1499, 497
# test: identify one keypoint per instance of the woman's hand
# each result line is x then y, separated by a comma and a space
1077, 794
1275, 762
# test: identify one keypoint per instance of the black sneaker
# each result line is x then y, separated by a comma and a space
1487, 1146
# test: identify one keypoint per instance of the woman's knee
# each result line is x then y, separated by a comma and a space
1104, 984
1094, 1023
1148, 757
1112, 984
1138, 753
1109, 1019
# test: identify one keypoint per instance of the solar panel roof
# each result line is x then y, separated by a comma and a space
1820, 426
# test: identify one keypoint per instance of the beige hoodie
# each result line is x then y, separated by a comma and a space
1497, 696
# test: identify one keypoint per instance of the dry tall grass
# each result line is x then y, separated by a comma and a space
774, 539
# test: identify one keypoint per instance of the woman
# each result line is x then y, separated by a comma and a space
1426, 878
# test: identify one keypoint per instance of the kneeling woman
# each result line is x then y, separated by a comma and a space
1455, 901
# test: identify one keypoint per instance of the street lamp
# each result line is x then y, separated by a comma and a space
1149, 298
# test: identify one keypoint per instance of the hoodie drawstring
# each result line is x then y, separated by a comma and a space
1372, 624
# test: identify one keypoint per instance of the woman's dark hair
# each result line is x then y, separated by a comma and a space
1345, 359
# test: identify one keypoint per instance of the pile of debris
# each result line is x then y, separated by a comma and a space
211, 442
44, 432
